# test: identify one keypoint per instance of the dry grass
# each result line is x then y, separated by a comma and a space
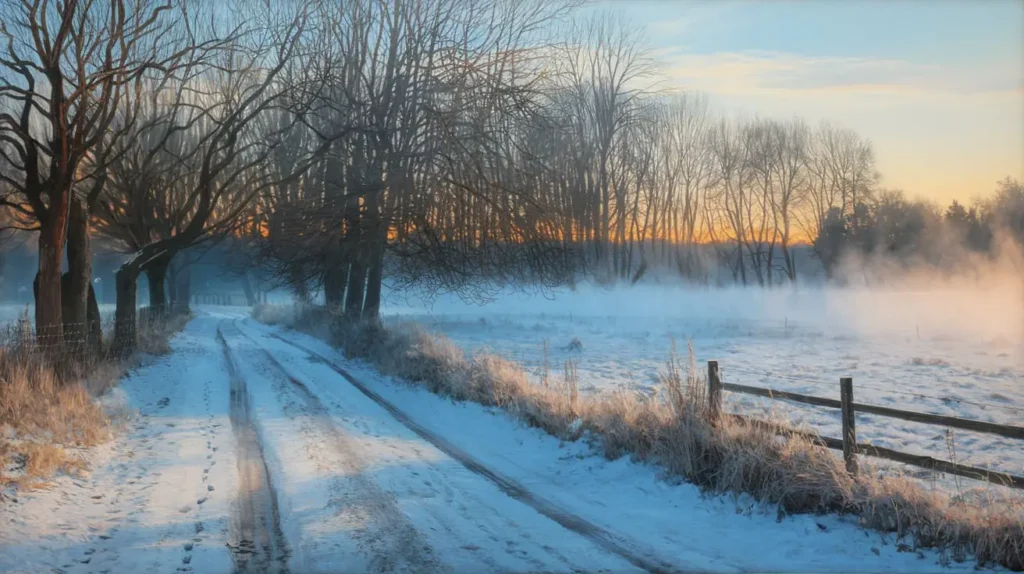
275, 314
32, 463
673, 430
39, 415
47, 411
154, 336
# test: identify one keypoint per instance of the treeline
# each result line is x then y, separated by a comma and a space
439, 143
554, 162
573, 168
915, 233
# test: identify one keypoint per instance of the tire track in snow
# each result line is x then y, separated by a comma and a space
391, 542
599, 536
255, 537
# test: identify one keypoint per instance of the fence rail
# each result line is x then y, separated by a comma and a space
849, 445
213, 299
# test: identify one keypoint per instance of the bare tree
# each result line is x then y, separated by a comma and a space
215, 133
729, 205
791, 141
65, 69
689, 156
841, 170
604, 65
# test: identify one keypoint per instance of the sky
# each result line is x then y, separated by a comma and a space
936, 85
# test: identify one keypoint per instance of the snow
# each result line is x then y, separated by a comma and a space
951, 349
351, 468
353, 488
139, 509
672, 523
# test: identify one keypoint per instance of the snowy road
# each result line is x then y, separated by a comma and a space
258, 450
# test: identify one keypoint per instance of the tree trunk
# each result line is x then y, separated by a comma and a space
788, 260
124, 317
184, 290
335, 275
156, 274
356, 249
76, 298
49, 312
335, 278
356, 286
250, 296
301, 291
371, 306
172, 288
94, 324
378, 237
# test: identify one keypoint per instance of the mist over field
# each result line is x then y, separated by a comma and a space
931, 340
875, 296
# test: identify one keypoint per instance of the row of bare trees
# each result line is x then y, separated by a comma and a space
436, 185
149, 122
448, 144
487, 151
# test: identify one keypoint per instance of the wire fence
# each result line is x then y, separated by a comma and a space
20, 335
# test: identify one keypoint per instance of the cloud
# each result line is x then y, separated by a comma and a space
774, 72
701, 13
673, 26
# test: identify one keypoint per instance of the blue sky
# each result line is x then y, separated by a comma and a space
937, 85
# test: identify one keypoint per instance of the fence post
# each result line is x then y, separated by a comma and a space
714, 391
849, 426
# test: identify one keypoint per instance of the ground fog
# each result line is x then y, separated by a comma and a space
945, 346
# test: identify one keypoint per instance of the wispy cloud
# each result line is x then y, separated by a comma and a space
752, 72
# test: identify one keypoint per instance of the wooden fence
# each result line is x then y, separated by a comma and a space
212, 299
218, 298
849, 445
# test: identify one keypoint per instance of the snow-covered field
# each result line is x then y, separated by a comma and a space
354, 486
951, 349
